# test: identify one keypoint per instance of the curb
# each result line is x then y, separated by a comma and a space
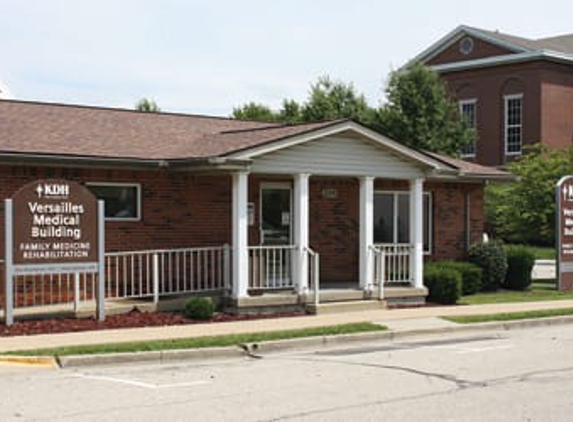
255, 350
43, 361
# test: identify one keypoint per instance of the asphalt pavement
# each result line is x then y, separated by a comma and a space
490, 375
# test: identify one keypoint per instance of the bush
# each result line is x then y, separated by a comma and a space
471, 275
201, 308
444, 284
491, 258
520, 261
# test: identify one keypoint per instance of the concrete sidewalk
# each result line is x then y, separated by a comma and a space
396, 319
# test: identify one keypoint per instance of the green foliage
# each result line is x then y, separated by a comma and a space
327, 100
524, 211
520, 261
148, 105
421, 114
200, 308
490, 256
471, 275
255, 111
334, 100
444, 284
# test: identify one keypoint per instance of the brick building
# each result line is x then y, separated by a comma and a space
514, 91
181, 187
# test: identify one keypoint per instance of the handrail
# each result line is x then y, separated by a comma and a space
314, 268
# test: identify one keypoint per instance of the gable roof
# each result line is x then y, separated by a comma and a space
552, 48
58, 133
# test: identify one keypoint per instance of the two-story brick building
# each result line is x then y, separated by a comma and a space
514, 91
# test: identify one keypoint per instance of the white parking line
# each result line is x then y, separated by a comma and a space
140, 383
485, 349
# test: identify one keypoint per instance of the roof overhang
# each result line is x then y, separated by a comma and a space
123, 163
454, 36
504, 60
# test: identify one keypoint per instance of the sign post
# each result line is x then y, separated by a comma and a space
9, 291
54, 227
564, 232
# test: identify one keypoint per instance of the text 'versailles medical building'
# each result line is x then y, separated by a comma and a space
56, 222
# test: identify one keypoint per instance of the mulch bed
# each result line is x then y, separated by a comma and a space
132, 319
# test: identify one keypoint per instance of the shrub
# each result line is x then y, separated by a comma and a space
491, 258
201, 308
471, 275
444, 284
520, 261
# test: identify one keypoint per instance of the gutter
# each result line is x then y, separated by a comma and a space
126, 163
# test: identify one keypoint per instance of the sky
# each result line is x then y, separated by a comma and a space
206, 57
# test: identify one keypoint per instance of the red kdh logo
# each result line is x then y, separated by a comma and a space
47, 190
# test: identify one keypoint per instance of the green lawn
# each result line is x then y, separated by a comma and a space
537, 292
542, 252
202, 342
509, 316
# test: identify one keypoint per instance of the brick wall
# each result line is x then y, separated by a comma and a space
178, 209
183, 210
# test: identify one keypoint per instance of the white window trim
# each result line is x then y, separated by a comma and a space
430, 217
461, 103
137, 187
506, 98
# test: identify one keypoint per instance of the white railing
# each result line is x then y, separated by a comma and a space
392, 264
163, 272
314, 274
271, 267
33, 290
134, 274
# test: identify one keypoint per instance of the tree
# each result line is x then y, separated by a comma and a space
420, 113
255, 111
327, 100
335, 100
524, 211
147, 105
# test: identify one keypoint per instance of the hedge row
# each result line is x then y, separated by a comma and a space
492, 265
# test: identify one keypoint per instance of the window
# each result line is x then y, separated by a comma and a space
122, 200
513, 124
392, 218
466, 45
468, 110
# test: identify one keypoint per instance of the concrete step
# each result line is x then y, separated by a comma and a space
348, 306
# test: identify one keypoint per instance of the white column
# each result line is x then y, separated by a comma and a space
417, 231
301, 230
366, 232
240, 225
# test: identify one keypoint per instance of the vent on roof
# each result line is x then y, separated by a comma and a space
466, 45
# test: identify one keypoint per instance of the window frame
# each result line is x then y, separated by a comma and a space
506, 125
461, 104
427, 194
137, 187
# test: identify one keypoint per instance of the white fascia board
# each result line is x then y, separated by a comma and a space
371, 135
455, 35
502, 60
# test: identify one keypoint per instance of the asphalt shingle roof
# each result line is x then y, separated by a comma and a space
46, 129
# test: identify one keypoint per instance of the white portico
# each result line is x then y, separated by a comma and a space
344, 150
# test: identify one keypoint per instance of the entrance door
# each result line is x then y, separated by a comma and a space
276, 234
276, 214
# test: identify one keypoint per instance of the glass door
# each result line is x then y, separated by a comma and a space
276, 214
276, 235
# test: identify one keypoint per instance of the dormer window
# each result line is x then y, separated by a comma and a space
466, 45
